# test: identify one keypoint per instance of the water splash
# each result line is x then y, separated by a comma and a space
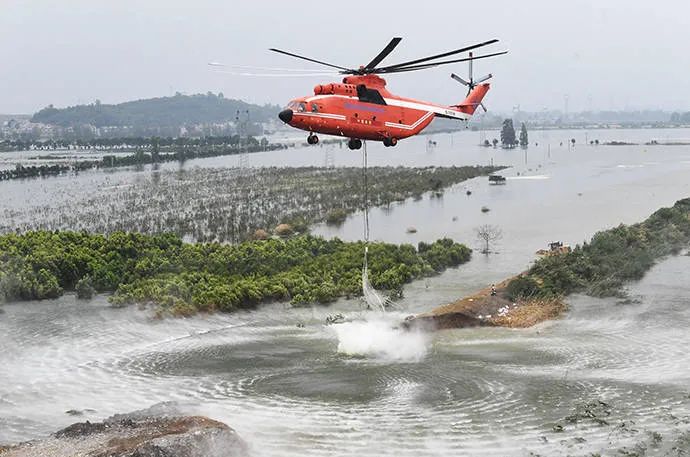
380, 337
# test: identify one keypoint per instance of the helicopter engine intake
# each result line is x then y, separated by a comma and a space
335, 89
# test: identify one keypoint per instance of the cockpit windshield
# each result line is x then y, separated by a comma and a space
300, 107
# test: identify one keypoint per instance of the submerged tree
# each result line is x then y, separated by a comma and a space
488, 234
524, 140
508, 139
155, 149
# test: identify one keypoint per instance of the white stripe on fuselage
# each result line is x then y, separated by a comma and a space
446, 111
339, 117
410, 127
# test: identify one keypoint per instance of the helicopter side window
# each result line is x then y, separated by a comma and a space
314, 108
369, 95
302, 107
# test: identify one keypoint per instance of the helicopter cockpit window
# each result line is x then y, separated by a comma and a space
314, 108
302, 107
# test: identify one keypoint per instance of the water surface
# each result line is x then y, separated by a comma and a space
366, 387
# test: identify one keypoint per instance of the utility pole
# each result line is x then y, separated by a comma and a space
242, 128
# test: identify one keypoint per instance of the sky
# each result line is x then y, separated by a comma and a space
597, 55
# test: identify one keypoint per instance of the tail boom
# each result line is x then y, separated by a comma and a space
473, 100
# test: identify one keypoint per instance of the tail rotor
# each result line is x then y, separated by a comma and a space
471, 83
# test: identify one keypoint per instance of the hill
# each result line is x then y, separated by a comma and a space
173, 111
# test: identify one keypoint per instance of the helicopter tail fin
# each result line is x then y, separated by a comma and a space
474, 99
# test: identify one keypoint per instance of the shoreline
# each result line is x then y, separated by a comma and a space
481, 309
599, 268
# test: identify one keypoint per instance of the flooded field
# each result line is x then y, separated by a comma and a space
609, 377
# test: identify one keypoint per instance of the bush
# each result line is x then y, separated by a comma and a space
284, 230
84, 288
523, 287
336, 216
260, 234
208, 277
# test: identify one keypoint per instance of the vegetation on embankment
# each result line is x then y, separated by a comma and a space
185, 278
231, 204
162, 150
130, 143
601, 267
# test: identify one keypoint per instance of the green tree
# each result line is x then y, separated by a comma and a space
84, 288
524, 140
155, 149
508, 139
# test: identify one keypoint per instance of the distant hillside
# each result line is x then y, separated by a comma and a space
157, 112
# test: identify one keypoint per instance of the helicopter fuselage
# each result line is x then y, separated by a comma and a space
362, 108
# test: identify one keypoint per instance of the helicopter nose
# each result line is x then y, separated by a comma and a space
285, 115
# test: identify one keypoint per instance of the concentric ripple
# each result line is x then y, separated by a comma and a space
292, 390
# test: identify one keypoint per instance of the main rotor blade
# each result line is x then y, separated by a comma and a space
383, 54
439, 56
310, 60
274, 75
251, 67
436, 64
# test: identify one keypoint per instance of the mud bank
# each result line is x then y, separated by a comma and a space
482, 309
144, 433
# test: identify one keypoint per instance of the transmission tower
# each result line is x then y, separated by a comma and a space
328, 158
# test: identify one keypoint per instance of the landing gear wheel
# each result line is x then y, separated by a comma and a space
312, 139
354, 143
388, 142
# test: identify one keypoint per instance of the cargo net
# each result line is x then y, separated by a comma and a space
372, 297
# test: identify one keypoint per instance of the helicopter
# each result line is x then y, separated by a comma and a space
361, 108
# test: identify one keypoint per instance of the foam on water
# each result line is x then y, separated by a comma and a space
380, 337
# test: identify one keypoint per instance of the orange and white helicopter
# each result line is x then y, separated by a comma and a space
361, 108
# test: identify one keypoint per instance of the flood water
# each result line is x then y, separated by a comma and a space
365, 387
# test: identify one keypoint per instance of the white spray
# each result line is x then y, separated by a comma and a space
379, 337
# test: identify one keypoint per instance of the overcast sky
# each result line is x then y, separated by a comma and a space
606, 54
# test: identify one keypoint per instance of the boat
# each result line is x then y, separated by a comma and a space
497, 179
